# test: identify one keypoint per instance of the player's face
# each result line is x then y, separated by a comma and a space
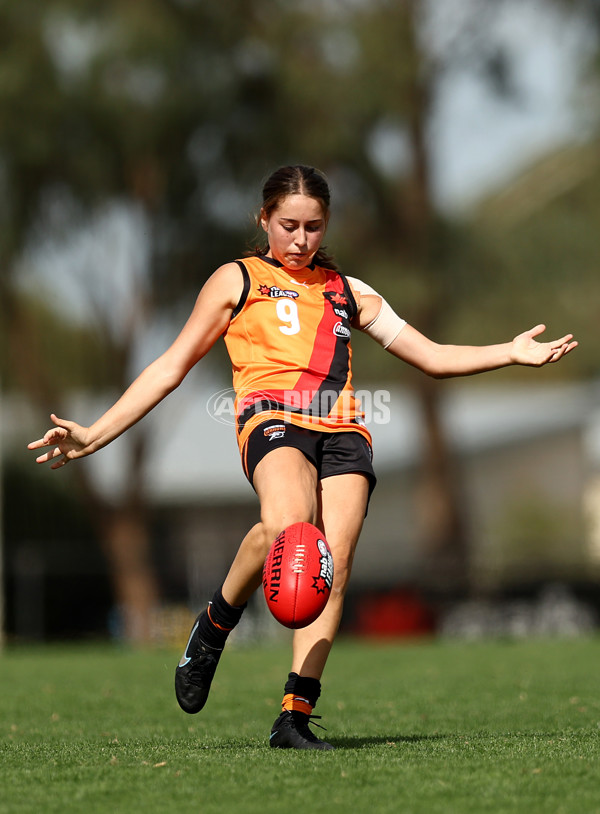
295, 230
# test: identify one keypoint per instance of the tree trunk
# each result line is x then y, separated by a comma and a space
122, 530
125, 538
126, 544
442, 531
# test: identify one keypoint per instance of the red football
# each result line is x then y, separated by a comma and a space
297, 575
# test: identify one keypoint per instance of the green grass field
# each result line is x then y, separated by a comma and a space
421, 727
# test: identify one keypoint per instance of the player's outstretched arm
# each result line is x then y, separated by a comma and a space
67, 440
443, 361
378, 319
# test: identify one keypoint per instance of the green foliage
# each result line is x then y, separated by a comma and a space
539, 246
425, 728
71, 356
183, 107
150, 101
179, 109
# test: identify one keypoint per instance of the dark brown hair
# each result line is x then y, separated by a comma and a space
297, 180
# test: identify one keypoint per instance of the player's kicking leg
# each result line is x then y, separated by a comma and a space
344, 500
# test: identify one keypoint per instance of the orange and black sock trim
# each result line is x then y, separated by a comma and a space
301, 693
218, 621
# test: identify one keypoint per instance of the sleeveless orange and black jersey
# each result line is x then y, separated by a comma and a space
289, 345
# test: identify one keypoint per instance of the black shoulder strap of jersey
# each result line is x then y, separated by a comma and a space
245, 292
350, 295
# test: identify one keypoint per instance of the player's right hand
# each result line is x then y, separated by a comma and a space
67, 441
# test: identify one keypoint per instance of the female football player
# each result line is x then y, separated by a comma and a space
286, 313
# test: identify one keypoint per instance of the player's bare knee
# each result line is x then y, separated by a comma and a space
342, 568
261, 541
274, 523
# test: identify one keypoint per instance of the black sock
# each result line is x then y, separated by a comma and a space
217, 622
308, 689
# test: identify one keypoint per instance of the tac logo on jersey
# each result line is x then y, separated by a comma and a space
275, 291
338, 301
339, 329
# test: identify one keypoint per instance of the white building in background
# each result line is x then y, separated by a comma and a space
526, 456
527, 463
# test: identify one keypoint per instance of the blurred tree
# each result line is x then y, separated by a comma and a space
543, 226
169, 113
154, 108
361, 90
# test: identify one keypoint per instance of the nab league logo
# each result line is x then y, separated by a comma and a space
274, 291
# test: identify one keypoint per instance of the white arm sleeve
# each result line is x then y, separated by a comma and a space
386, 326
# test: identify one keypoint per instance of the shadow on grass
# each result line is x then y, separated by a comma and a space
382, 740
241, 744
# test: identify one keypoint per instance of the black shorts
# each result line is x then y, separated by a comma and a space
332, 453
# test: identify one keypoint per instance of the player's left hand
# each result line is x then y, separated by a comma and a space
525, 350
